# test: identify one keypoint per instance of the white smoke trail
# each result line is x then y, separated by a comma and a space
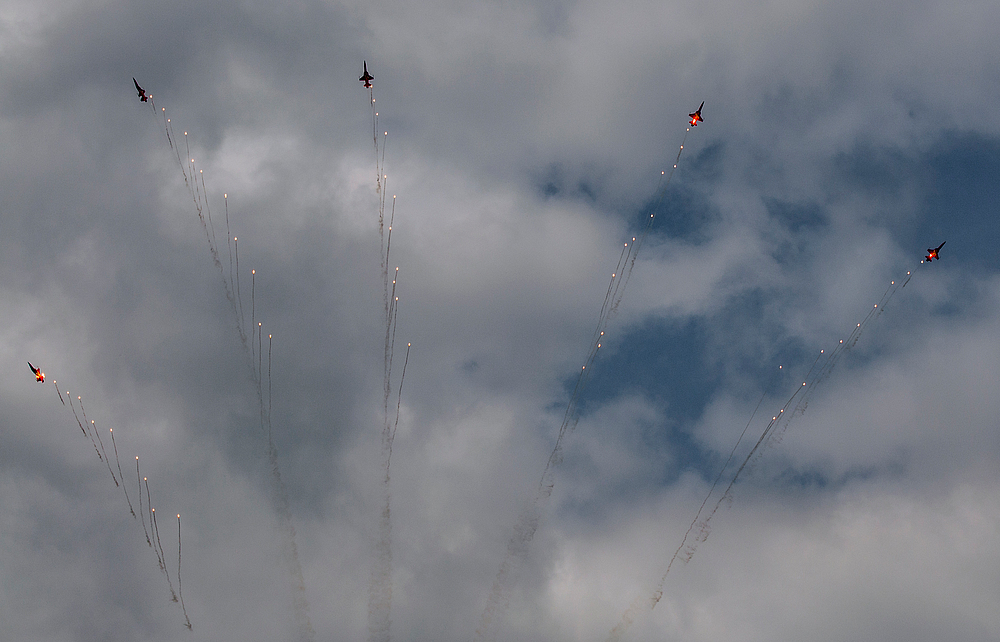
527, 523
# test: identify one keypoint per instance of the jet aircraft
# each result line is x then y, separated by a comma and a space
142, 92
39, 375
933, 253
367, 78
696, 116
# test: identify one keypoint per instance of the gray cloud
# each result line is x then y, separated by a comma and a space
524, 148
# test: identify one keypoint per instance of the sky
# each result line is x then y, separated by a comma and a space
521, 146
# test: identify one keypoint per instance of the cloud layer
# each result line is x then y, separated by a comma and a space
525, 144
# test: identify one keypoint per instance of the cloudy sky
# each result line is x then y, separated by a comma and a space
525, 146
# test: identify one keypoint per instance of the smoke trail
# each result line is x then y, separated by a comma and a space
163, 557
180, 592
390, 345
637, 605
386, 254
229, 240
202, 208
243, 320
380, 587
236, 304
149, 507
299, 603
120, 473
79, 423
169, 128
775, 428
527, 523
93, 426
141, 514
399, 399
380, 584
835, 355
269, 386
54, 383
253, 308
85, 432
208, 210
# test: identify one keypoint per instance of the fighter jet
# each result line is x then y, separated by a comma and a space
367, 78
933, 254
142, 92
696, 116
39, 375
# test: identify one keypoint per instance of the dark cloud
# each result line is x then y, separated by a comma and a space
525, 146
